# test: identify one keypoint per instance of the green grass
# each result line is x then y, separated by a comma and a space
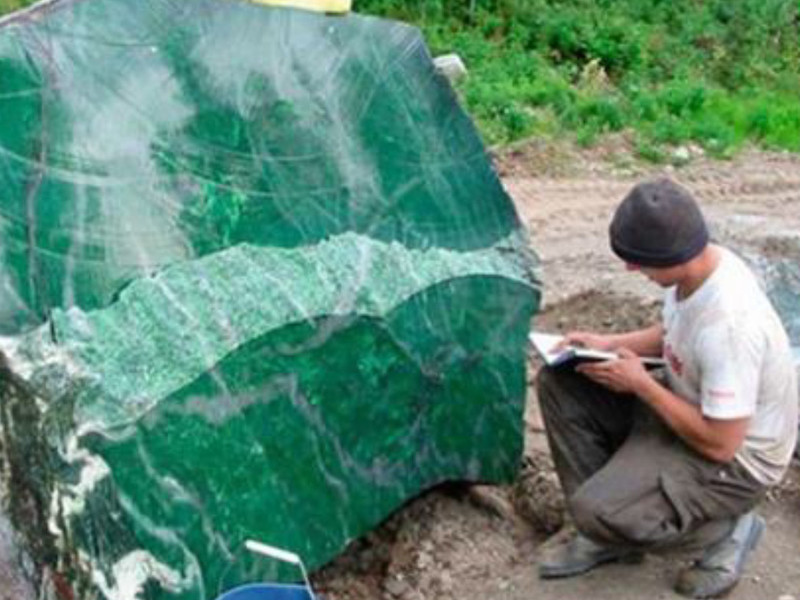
6, 6
719, 73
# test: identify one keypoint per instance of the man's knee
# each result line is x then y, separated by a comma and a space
548, 384
544, 378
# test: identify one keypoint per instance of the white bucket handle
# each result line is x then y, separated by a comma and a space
282, 555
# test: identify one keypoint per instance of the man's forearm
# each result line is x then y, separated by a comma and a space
716, 440
644, 342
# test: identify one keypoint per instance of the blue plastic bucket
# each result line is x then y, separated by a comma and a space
268, 591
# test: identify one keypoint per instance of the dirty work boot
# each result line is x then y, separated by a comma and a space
566, 556
722, 564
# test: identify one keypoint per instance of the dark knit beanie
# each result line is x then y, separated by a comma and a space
658, 224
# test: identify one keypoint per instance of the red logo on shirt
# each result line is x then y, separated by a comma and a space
675, 363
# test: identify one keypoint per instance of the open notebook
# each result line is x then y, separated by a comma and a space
544, 344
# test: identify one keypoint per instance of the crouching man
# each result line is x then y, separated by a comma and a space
647, 465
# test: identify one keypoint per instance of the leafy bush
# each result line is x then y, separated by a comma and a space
718, 73
7, 6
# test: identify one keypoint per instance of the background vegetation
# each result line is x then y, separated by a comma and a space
714, 72
717, 73
7, 6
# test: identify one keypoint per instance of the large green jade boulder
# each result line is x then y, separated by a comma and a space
259, 281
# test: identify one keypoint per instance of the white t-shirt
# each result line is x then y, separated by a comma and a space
728, 353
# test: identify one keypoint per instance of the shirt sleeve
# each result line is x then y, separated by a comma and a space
730, 355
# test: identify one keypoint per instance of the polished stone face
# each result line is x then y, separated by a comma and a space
782, 277
259, 281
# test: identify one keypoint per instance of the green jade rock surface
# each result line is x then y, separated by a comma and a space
260, 281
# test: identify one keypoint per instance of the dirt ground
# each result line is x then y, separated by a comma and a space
479, 542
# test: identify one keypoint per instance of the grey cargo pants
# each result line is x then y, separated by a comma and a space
628, 479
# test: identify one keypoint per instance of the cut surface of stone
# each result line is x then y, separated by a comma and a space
260, 281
